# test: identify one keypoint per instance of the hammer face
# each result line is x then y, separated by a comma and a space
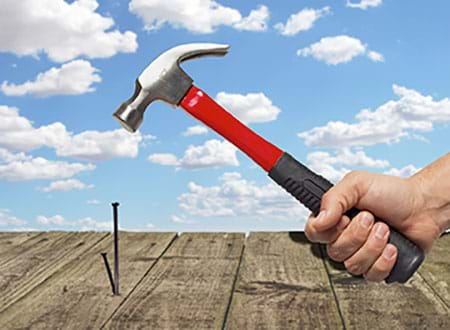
128, 118
130, 114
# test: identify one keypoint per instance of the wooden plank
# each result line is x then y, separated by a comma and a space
367, 305
11, 244
79, 296
189, 288
282, 284
40, 257
436, 269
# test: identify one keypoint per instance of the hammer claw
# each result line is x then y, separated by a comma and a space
164, 80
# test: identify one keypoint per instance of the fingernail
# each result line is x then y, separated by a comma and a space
366, 220
320, 218
389, 252
381, 231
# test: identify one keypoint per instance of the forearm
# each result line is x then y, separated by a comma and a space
433, 184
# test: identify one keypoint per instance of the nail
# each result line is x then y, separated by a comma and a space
381, 231
366, 220
320, 218
389, 252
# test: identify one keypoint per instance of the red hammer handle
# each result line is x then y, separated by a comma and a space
305, 185
205, 109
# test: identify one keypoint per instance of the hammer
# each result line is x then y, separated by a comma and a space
163, 79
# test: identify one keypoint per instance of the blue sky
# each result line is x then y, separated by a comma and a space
341, 86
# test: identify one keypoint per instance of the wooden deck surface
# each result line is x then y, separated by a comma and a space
56, 280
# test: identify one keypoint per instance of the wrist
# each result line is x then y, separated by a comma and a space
431, 200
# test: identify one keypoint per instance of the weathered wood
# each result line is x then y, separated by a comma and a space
58, 280
79, 296
436, 268
282, 284
367, 305
189, 287
11, 244
39, 258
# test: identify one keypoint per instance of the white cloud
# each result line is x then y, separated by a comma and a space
339, 49
62, 30
403, 172
364, 4
93, 202
164, 159
249, 108
239, 197
40, 168
17, 133
181, 219
88, 223
200, 16
54, 220
84, 224
375, 56
195, 130
393, 120
95, 145
6, 156
7, 219
213, 153
17, 229
66, 185
334, 167
255, 21
73, 78
301, 21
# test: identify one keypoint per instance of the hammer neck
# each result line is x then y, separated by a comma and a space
201, 106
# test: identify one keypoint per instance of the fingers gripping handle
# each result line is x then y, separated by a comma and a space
308, 188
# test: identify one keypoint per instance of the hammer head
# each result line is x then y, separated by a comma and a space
163, 79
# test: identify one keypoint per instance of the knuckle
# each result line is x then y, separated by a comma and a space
334, 253
327, 197
352, 267
375, 246
372, 277
357, 239
309, 233
382, 268
374, 250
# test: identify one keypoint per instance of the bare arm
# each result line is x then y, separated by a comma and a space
433, 183
418, 207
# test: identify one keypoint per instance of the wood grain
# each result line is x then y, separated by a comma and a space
207, 281
79, 296
367, 305
282, 284
40, 257
189, 288
436, 268
11, 244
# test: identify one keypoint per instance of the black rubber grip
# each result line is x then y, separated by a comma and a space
309, 187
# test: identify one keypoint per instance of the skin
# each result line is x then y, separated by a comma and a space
418, 207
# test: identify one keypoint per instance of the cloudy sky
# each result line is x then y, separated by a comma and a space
341, 85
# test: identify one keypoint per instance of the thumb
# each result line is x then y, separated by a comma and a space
342, 197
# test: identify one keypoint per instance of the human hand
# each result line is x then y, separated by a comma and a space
362, 244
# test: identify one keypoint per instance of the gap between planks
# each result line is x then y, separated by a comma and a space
230, 301
336, 300
140, 281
